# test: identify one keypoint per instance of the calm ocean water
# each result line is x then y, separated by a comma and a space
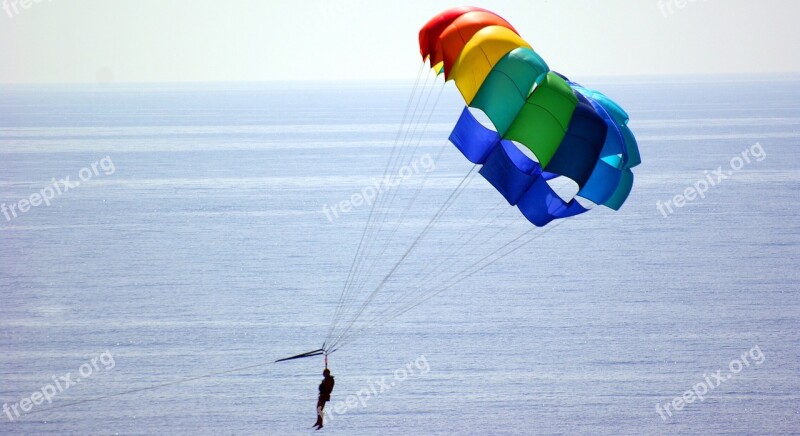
198, 245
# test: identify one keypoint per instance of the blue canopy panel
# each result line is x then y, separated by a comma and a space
541, 205
615, 143
472, 139
598, 129
580, 149
603, 182
550, 176
518, 178
620, 139
632, 157
623, 190
611, 180
617, 113
510, 171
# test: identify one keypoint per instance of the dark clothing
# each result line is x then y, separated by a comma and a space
325, 389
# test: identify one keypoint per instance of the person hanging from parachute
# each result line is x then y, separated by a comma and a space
325, 390
551, 148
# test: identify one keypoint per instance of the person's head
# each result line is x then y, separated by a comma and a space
326, 373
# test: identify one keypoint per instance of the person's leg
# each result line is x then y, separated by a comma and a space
320, 407
321, 413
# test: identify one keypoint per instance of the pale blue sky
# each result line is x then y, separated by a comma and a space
205, 40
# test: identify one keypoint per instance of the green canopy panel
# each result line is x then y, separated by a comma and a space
542, 122
508, 85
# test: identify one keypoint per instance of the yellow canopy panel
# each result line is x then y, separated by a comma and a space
480, 55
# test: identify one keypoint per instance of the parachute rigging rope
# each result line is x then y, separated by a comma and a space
460, 278
476, 229
339, 307
359, 256
374, 236
445, 206
377, 217
389, 164
399, 223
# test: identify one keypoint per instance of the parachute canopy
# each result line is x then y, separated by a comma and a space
546, 127
552, 148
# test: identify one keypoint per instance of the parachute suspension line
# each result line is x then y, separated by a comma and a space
387, 315
389, 163
377, 208
385, 205
409, 153
411, 131
432, 293
453, 196
439, 153
404, 215
411, 99
429, 273
456, 192
492, 236
475, 229
535, 233
377, 215
393, 297
409, 116
453, 279
464, 274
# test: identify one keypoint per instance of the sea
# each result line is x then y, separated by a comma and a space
161, 245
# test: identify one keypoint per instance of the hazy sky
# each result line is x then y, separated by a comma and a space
212, 40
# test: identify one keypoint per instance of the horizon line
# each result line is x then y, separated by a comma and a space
661, 77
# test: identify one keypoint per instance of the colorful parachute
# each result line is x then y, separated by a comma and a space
555, 150
546, 127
